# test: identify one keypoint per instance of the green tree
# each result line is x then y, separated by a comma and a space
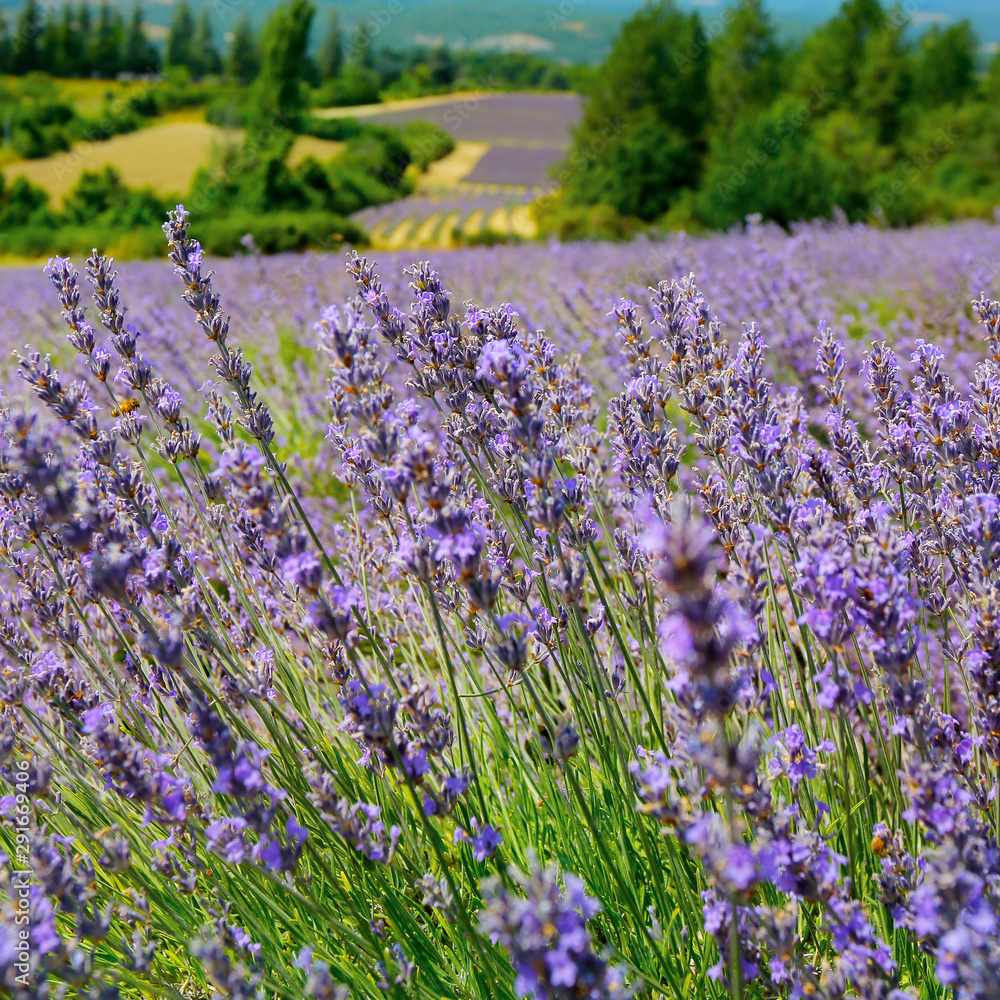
361, 47
884, 81
140, 55
243, 59
945, 66
27, 43
50, 49
180, 49
71, 43
278, 91
832, 56
442, 67
6, 47
745, 65
85, 38
106, 56
205, 56
991, 85
643, 125
330, 59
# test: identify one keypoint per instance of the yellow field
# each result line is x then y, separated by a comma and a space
163, 157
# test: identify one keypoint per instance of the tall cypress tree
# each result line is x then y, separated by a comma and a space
85, 38
50, 49
27, 43
283, 48
106, 56
6, 47
70, 44
178, 51
243, 58
361, 47
330, 59
140, 55
203, 50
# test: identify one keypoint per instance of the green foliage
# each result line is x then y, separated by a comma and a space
356, 85
38, 119
744, 66
22, 204
642, 134
869, 117
278, 92
330, 60
180, 41
99, 209
205, 56
140, 55
945, 65
278, 232
426, 143
100, 197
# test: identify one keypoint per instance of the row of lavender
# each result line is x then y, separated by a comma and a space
434, 655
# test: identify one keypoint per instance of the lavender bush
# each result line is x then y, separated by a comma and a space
544, 674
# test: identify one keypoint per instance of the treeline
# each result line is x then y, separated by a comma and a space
77, 42
342, 66
698, 123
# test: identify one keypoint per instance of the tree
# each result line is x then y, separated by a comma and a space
884, 81
27, 47
279, 93
945, 67
992, 82
50, 52
745, 65
205, 56
643, 128
361, 47
6, 47
71, 47
330, 59
832, 56
442, 67
140, 55
243, 60
179, 50
106, 55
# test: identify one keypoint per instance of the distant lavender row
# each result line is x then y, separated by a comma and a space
905, 286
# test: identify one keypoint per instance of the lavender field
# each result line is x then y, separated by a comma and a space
556, 621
